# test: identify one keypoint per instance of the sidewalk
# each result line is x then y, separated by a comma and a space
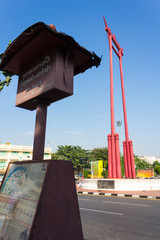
151, 194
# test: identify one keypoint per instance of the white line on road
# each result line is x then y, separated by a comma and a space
84, 199
131, 204
99, 211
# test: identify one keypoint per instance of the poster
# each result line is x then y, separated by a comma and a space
97, 169
19, 197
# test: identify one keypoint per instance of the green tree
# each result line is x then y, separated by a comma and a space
79, 156
56, 156
156, 163
157, 170
5, 74
99, 154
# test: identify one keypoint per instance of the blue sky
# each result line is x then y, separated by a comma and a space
84, 118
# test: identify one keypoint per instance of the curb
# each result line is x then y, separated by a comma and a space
118, 195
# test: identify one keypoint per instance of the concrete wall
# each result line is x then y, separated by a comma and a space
121, 184
137, 184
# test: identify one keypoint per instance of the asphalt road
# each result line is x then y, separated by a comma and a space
114, 218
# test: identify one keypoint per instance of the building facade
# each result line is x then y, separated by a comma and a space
9, 152
149, 159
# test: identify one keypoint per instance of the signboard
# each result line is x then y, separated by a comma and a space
48, 78
145, 173
97, 169
38, 200
19, 196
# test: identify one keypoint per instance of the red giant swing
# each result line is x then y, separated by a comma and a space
114, 166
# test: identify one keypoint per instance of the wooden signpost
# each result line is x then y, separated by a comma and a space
38, 198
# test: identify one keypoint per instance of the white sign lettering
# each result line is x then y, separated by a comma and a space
30, 75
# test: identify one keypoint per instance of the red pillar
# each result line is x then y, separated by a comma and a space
124, 105
129, 156
112, 110
132, 159
109, 157
125, 160
118, 161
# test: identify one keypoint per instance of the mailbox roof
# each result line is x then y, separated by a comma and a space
37, 39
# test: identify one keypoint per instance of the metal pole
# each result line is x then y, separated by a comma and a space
40, 129
112, 110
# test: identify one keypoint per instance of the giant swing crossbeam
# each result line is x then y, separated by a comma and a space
114, 167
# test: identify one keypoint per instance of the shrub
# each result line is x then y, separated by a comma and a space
105, 173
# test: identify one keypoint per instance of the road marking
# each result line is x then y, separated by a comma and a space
131, 204
84, 199
99, 211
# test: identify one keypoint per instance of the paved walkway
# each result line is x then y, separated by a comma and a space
138, 194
